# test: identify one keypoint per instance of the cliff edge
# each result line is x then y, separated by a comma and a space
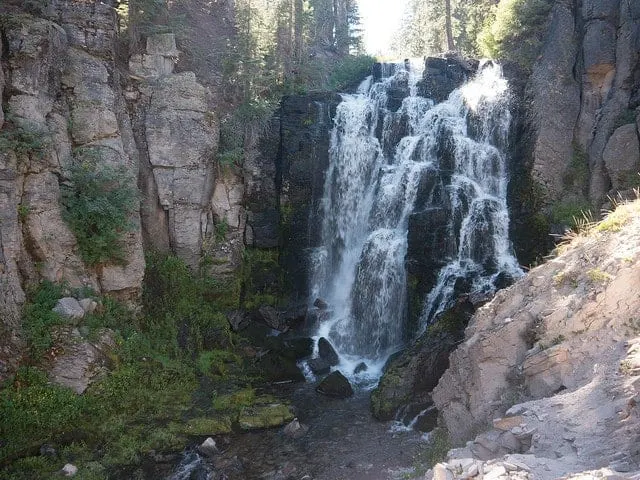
550, 369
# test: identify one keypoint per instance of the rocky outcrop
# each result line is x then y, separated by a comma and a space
530, 358
583, 87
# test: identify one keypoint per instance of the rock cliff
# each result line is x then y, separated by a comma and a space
583, 94
552, 364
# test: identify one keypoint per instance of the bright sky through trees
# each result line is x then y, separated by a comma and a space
380, 20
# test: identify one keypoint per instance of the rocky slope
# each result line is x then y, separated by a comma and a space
551, 367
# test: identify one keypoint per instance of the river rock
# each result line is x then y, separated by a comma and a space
327, 352
295, 429
208, 447
335, 385
319, 366
69, 470
320, 304
69, 308
361, 367
265, 415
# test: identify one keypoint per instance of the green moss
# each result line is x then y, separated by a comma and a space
265, 413
235, 401
38, 317
435, 451
577, 173
262, 278
217, 425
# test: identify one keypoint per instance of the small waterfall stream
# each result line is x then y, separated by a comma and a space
388, 160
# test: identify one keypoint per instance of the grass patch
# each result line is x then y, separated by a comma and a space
31, 142
435, 452
598, 276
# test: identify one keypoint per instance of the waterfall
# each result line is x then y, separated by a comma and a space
394, 153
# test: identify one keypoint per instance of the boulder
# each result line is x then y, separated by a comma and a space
265, 415
271, 317
89, 305
335, 385
69, 470
208, 447
416, 371
320, 304
69, 308
442, 75
295, 429
361, 367
239, 320
319, 366
327, 352
80, 362
277, 368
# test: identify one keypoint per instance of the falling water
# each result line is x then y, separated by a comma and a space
384, 150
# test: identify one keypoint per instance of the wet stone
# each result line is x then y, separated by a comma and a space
335, 385
327, 352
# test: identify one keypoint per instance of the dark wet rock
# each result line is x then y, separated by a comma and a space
271, 317
295, 429
277, 368
298, 348
442, 75
397, 91
320, 304
319, 366
412, 374
335, 385
239, 320
46, 450
361, 367
422, 416
294, 314
327, 352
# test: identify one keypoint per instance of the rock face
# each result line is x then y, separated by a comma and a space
584, 86
528, 360
411, 376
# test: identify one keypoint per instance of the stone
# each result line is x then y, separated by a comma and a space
89, 305
69, 470
622, 157
321, 304
239, 320
264, 415
69, 308
507, 423
295, 429
80, 362
271, 317
335, 385
327, 353
319, 366
361, 367
441, 472
444, 74
208, 447
47, 450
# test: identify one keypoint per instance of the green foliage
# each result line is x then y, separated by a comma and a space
516, 31
235, 401
577, 173
570, 212
179, 304
23, 141
262, 278
350, 71
435, 451
37, 318
215, 363
97, 206
33, 412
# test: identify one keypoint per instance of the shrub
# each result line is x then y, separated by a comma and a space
38, 317
516, 31
350, 71
98, 207
23, 141
570, 212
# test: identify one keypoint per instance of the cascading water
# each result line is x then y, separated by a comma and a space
384, 155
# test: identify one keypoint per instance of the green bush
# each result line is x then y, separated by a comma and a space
23, 141
570, 212
516, 31
38, 317
33, 412
350, 71
98, 206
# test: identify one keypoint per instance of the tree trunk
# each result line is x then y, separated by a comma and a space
447, 20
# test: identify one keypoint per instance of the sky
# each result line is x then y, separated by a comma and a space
380, 19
